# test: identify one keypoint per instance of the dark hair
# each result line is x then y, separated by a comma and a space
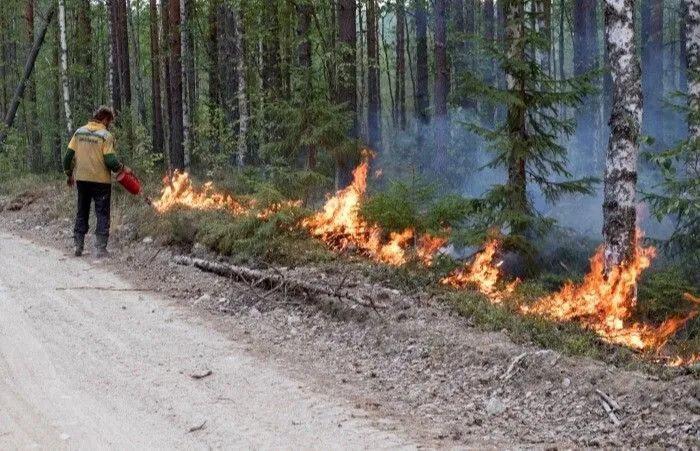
104, 112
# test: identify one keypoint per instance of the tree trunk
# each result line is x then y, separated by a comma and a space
242, 100
156, 102
683, 38
422, 78
213, 50
562, 11
229, 58
124, 61
347, 83
401, 64
442, 75
271, 57
114, 68
653, 70
36, 158
57, 127
490, 66
83, 87
136, 43
374, 131
692, 46
64, 65
306, 63
165, 59
177, 154
187, 73
516, 118
619, 217
28, 67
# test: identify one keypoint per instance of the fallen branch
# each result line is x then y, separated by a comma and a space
512, 368
609, 410
102, 289
202, 375
197, 428
609, 400
271, 282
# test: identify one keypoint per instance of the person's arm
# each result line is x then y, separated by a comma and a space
69, 162
110, 158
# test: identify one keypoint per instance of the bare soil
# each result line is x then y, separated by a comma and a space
416, 363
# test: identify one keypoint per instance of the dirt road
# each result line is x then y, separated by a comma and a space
88, 363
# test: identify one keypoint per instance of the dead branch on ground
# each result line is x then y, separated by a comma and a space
272, 282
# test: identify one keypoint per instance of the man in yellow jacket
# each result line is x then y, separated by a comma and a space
87, 164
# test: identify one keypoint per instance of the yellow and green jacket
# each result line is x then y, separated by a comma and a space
90, 156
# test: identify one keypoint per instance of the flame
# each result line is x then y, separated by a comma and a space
428, 247
605, 304
483, 274
179, 190
340, 226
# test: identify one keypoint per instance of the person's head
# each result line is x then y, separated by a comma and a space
104, 114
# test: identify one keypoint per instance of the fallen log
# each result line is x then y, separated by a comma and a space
273, 282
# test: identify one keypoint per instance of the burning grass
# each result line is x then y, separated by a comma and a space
340, 226
605, 305
602, 304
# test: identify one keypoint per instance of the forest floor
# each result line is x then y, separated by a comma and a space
416, 362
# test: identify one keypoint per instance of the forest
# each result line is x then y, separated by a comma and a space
488, 145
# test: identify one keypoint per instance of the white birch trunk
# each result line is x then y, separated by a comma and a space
619, 214
242, 100
64, 64
692, 46
186, 125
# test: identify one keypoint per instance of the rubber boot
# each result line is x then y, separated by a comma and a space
101, 246
78, 244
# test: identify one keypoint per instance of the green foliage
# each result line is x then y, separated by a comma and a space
679, 198
528, 143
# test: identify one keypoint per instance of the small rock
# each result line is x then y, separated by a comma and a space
254, 313
693, 405
566, 382
38, 228
495, 406
147, 240
64, 437
293, 319
205, 298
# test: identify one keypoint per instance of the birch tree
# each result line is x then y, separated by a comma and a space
64, 64
692, 46
619, 214
242, 100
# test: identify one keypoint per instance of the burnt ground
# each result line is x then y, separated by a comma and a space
416, 362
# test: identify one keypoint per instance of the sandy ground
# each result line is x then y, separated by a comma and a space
86, 362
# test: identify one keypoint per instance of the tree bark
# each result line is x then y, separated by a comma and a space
187, 73
242, 146
156, 102
442, 75
64, 65
490, 66
619, 217
347, 83
177, 154
692, 46
213, 49
134, 23
374, 131
516, 117
585, 60
683, 38
83, 87
36, 158
400, 78
305, 61
422, 98
28, 67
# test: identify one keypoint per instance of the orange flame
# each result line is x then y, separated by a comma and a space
605, 304
340, 226
179, 190
483, 274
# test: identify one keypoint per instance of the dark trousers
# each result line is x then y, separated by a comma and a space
101, 193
